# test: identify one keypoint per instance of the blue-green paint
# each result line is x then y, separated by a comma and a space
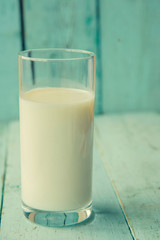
130, 37
130, 149
9, 47
125, 36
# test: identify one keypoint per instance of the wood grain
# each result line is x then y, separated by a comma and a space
9, 48
130, 55
64, 24
109, 222
130, 148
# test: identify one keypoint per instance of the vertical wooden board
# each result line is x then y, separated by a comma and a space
3, 155
130, 148
108, 223
130, 55
64, 24
10, 45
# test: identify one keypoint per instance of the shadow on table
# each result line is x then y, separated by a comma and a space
103, 216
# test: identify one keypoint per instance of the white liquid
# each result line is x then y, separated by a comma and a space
56, 126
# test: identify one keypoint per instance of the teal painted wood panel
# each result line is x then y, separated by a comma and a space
130, 40
124, 35
3, 156
129, 145
64, 24
10, 45
109, 222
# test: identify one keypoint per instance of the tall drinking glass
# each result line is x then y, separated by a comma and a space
56, 96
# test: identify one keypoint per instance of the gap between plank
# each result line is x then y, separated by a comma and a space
131, 230
21, 13
3, 183
98, 46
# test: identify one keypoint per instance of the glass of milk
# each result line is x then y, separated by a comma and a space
56, 97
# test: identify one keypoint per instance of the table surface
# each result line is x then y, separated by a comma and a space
126, 183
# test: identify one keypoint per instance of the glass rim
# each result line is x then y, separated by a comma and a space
88, 54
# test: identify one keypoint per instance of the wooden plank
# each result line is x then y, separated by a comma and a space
10, 45
108, 223
130, 148
130, 55
64, 24
3, 153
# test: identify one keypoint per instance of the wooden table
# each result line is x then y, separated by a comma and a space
126, 183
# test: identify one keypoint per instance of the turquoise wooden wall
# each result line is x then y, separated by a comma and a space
10, 44
124, 34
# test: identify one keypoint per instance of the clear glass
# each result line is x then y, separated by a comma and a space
56, 96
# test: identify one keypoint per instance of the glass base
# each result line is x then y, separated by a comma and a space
57, 218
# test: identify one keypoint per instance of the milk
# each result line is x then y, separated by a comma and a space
56, 131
